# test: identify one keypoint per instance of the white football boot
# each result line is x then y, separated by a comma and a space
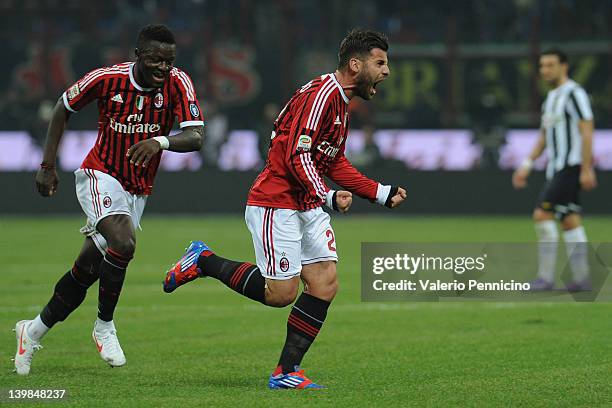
25, 348
108, 344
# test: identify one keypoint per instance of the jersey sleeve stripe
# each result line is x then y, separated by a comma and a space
320, 111
317, 101
186, 84
96, 72
320, 183
90, 74
189, 85
121, 67
85, 83
321, 187
318, 104
180, 109
66, 104
191, 123
346, 99
312, 175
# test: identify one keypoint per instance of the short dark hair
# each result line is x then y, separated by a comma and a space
360, 42
560, 54
154, 32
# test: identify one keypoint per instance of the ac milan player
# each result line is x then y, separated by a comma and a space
292, 235
137, 103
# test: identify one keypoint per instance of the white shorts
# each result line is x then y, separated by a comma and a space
101, 195
284, 240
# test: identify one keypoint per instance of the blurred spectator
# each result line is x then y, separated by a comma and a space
487, 124
279, 41
369, 156
264, 128
215, 133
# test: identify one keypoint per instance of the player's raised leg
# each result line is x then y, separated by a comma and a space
69, 293
200, 261
242, 277
275, 232
118, 231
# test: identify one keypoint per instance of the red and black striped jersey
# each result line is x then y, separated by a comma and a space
129, 113
307, 144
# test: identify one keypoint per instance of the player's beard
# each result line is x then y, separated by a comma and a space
363, 84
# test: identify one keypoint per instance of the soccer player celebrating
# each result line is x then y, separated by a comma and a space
292, 235
137, 104
567, 135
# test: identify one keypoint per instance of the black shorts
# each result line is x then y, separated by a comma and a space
561, 194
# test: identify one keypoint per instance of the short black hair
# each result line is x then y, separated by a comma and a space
360, 42
154, 32
560, 54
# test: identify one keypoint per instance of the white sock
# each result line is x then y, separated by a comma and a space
101, 325
37, 329
548, 239
576, 245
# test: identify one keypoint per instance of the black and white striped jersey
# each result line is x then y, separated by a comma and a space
563, 108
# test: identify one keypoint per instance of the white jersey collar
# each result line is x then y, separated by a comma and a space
333, 77
133, 80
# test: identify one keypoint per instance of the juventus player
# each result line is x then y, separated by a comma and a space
292, 235
137, 104
567, 135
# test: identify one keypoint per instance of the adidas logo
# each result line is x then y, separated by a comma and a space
337, 121
117, 98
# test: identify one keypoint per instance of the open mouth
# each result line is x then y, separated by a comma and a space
373, 88
158, 76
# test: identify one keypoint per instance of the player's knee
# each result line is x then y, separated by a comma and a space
334, 288
570, 221
324, 284
119, 234
124, 246
325, 290
281, 297
541, 215
281, 293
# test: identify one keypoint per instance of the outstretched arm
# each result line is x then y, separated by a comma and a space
189, 140
343, 173
46, 177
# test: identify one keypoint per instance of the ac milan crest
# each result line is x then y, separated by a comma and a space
158, 101
284, 264
107, 202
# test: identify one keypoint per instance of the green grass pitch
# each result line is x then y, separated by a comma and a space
203, 345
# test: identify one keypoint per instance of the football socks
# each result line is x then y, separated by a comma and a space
68, 294
305, 320
37, 329
242, 277
112, 275
577, 251
548, 238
